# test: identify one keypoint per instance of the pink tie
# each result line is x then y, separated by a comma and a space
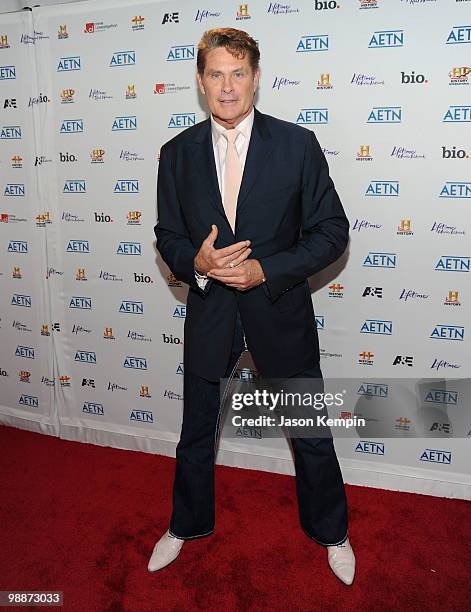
232, 177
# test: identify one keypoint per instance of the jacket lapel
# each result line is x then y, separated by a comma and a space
260, 147
203, 154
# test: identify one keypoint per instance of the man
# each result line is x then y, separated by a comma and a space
246, 213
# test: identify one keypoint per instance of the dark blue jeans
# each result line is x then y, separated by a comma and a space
322, 503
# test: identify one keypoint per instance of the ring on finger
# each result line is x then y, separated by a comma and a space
231, 264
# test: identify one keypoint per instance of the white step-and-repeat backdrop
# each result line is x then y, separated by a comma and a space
91, 320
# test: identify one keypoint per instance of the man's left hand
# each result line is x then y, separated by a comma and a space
246, 275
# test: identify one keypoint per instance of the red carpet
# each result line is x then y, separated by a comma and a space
83, 519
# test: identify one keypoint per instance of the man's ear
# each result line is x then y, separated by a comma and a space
200, 83
256, 80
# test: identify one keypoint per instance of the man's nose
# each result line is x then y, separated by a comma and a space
227, 85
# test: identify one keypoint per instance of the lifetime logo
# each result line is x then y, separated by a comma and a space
448, 332
407, 294
452, 263
383, 189
71, 126
380, 260
133, 335
437, 364
127, 186
373, 389
436, 456
21, 300
10, 132
372, 448
93, 408
125, 123
143, 416
459, 35
181, 120
181, 53
82, 303
69, 63
375, 326
440, 396
40, 159
38, 99
129, 248
28, 400
386, 38
85, 356
123, 58
78, 246
457, 114
456, 189
74, 186
313, 116
385, 114
7, 72
24, 351
14, 190
130, 307
135, 363
205, 14
312, 43
17, 246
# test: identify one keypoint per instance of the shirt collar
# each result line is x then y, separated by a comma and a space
244, 126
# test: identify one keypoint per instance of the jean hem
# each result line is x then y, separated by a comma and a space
341, 541
199, 535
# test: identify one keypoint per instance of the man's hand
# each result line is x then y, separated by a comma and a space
208, 258
246, 275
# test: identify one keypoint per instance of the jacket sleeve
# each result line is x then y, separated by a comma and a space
324, 230
173, 239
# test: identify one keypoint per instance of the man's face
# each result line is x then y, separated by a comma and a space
229, 85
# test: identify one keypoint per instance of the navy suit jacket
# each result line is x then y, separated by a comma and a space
290, 211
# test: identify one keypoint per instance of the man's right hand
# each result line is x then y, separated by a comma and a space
209, 258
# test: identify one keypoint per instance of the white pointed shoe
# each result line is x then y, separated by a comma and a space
342, 561
165, 551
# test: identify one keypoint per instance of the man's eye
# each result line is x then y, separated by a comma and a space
215, 75
239, 74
